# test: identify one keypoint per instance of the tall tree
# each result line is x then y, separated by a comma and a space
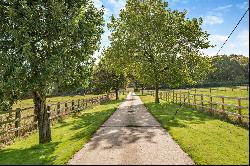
106, 79
44, 43
163, 43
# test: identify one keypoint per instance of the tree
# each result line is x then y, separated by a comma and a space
229, 69
163, 44
106, 79
46, 43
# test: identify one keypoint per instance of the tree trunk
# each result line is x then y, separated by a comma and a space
116, 94
42, 117
157, 101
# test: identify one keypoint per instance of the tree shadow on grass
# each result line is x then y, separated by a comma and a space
83, 124
172, 115
37, 154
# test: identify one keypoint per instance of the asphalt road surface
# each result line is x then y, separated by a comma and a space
131, 136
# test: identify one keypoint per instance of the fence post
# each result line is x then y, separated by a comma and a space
58, 112
202, 103
176, 97
184, 95
210, 89
223, 106
66, 107
211, 104
223, 102
189, 99
180, 97
173, 96
86, 102
17, 121
78, 105
73, 106
168, 96
239, 110
48, 112
195, 101
92, 101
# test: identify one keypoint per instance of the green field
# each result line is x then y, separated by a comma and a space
206, 139
68, 137
222, 91
50, 100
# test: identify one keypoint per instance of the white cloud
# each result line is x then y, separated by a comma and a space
237, 44
242, 42
215, 16
217, 38
243, 38
223, 8
212, 19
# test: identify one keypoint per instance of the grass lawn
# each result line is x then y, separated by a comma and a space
68, 137
206, 139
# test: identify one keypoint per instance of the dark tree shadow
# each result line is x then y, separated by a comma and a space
173, 115
39, 154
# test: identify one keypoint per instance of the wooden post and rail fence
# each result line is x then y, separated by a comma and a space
22, 121
210, 90
222, 105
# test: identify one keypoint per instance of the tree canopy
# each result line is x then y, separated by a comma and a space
161, 44
43, 44
229, 69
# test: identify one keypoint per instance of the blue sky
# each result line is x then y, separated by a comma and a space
219, 16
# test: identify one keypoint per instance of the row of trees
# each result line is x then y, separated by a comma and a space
47, 46
157, 45
232, 69
227, 70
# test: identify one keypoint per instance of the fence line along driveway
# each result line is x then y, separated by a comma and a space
131, 136
20, 122
232, 108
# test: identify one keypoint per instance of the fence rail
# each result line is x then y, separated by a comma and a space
21, 122
195, 90
233, 108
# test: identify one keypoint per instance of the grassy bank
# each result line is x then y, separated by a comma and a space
206, 139
67, 138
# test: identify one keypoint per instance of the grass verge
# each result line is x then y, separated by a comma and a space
68, 137
206, 139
